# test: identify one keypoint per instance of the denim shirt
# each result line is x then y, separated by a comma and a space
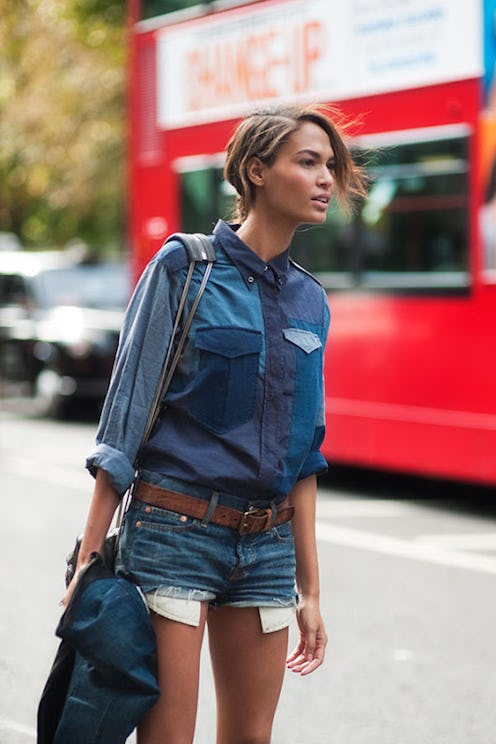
245, 410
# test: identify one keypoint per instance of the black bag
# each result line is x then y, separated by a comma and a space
104, 678
108, 554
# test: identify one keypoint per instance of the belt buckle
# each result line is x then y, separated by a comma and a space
254, 511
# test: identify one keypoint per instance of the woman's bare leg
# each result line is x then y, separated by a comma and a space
248, 668
172, 719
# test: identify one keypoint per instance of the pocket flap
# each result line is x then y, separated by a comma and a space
229, 342
305, 340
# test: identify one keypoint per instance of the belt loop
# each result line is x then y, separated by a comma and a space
273, 508
210, 510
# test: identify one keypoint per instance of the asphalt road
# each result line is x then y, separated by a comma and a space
408, 575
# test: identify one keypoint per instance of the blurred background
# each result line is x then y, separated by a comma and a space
62, 121
113, 121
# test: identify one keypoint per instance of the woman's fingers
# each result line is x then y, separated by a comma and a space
310, 650
305, 663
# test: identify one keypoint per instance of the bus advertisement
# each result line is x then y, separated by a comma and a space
411, 275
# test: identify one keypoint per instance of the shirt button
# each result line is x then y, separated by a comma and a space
266, 268
251, 279
280, 282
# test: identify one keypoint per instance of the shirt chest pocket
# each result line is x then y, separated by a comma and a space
305, 355
225, 386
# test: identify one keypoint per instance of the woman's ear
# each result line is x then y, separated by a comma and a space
255, 171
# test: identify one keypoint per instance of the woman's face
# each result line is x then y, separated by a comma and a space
298, 186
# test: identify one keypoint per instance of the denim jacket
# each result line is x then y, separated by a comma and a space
104, 677
245, 410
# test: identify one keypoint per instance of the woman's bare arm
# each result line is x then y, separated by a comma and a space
101, 512
309, 652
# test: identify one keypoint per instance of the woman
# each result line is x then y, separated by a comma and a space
223, 520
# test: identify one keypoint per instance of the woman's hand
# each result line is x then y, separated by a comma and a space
310, 650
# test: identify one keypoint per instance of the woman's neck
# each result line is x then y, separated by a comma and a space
264, 237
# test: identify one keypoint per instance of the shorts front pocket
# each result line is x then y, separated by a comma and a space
152, 536
163, 520
225, 386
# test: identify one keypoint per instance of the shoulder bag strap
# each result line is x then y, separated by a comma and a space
200, 250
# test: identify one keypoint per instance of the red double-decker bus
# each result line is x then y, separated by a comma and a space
411, 277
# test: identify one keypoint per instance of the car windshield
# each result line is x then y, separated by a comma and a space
85, 285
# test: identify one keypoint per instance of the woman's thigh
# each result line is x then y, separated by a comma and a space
173, 717
248, 667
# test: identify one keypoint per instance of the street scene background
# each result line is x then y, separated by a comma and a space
100, 160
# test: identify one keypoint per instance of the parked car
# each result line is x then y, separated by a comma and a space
59, 325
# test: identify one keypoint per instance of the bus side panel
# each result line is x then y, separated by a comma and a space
410, 384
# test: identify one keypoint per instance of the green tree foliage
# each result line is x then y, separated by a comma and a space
62, 120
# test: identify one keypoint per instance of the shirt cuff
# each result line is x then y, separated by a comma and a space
315, 464
116, 464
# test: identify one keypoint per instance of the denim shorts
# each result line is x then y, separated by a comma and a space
170, 555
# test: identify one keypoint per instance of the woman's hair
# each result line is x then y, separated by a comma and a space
261, 135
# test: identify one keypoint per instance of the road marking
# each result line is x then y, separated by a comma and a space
18, 728
402, 654
461, 541
412, 549
356, 508
67, 477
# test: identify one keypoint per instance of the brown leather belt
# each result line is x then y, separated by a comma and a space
246, 523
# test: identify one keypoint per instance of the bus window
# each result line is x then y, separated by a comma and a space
153, 8
328, 250
411, 233
205, 197
413, 227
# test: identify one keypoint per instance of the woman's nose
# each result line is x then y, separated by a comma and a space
326, 177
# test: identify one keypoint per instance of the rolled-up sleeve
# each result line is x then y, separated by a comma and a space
143, 343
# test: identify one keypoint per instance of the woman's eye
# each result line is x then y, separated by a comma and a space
308, 162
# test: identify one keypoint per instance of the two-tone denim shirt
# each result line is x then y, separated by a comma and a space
245, 410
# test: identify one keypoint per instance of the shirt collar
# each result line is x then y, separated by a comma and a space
249, 264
